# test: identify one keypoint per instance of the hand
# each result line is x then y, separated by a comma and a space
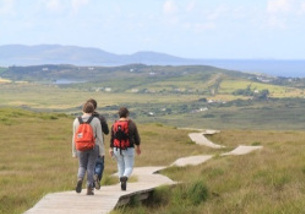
138, 150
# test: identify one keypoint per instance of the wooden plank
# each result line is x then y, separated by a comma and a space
105, 199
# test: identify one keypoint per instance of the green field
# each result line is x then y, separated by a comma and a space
229, 86
36, 120
36, 160
175, 103
260, 182
192, 96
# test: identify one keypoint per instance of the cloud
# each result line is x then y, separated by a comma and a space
279, 6
302, 8
65, 6
281, 12
219, 11
7, 7
170, 7
77, 4
54, 5
276, 22
190, 6
204, 27
286, 7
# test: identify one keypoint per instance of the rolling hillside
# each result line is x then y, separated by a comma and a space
194, 96
22, 55
145, 78
59, 54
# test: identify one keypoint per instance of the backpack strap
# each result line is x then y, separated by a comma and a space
81, 121
90, 119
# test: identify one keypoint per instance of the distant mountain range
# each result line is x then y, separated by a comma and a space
58, 54
22, 55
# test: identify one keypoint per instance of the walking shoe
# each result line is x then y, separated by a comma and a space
123, 183
96, 182
90, 191
78, 188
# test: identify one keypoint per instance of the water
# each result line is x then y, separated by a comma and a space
283, 68
66, 81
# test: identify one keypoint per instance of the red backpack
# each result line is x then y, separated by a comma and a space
84, 136
121, 134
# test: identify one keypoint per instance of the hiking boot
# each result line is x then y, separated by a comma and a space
79, 184
96, 182
90, 191
123, 182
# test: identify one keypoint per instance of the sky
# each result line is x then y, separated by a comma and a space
203, 29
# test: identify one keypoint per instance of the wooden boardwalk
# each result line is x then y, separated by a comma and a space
105, 199
109, 197
200, 139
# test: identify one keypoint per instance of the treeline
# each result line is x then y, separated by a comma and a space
248, 92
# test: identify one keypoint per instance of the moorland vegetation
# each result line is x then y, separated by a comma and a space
39, 103
36, 160
192, 96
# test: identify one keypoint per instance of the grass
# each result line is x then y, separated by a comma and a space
36, 147
53, 97
36, 155
33, 154
266, 181
176, 109
167, 104
36, 160
229, 86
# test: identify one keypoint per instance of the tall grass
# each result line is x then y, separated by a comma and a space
266, 181
36, 155
36, 160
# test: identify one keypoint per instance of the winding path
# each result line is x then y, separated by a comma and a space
105, 199
109, 197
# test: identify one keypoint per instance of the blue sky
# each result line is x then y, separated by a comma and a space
231, 29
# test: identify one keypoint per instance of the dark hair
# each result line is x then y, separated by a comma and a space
88, 107
93, 101
123, 112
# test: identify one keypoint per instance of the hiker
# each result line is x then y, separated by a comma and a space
99, 165
86, 150
124, 141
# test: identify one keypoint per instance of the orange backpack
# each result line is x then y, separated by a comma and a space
121, 134
84, 136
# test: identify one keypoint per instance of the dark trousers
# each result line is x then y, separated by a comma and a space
99, 167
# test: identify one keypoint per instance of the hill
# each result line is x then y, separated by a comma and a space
58, 54
193, 96
22, 55
50, 72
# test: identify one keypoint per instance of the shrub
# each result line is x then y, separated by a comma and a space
208, 116
160, 197
197, 193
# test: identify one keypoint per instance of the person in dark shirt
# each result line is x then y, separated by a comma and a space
100, 162
124, 146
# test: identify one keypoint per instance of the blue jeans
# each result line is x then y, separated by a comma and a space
86, 160
99, 167
125, 161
